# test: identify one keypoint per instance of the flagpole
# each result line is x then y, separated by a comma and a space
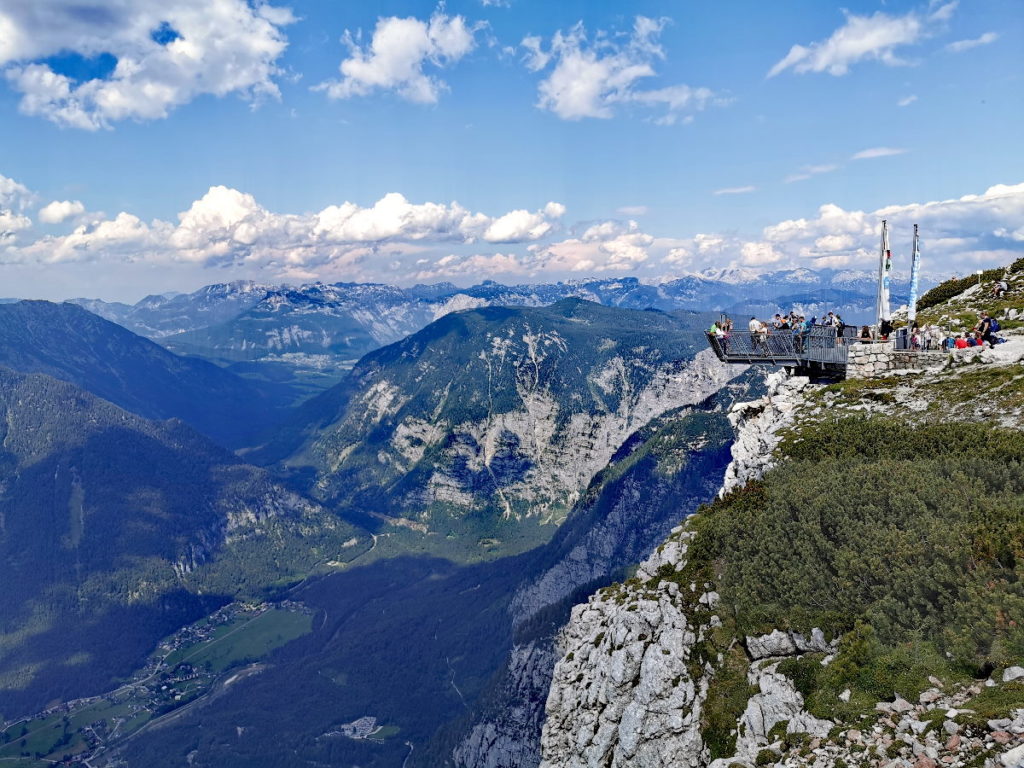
882, 311
915, 268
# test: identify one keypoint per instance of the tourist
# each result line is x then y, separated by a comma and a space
984, 328
777, 322
961, 342
865, 334
885, 329
758, 334
800, 329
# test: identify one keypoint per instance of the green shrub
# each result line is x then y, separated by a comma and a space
727, 697
917, 533
955, 286
766, 757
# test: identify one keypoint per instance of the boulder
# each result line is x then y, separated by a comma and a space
1013, 758
777, 643
1012, 673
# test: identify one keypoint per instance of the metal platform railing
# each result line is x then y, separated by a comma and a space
821, 345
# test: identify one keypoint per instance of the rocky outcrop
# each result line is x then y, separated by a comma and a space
758, 424
622, 693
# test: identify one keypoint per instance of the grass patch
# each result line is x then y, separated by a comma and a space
993, 704
244, 639
385, 732
871, 671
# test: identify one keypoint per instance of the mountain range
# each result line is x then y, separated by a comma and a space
69, 343
307, 335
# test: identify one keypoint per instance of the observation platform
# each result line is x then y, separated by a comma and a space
822, 351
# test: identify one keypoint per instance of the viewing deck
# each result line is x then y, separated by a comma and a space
820, 351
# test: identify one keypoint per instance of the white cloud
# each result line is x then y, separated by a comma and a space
632, 210
164, 54
808, 171
227, 227
397, 54
863, 38
398, 241
592, 78
973, 230
965, 45
873, 152
14, 199
605, 246
520, 225
906, 101
14, 194
11, 222
735, 190
60, 210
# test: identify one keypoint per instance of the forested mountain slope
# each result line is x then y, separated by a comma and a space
491, 422
72, 344
106, 522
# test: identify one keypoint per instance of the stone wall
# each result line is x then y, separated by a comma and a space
870, 360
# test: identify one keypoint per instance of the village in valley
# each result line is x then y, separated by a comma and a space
213, 653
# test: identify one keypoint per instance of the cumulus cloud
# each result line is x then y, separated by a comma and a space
983, 230
14, 199
520, 225
863, 38
735, 190
395, 57
162, 55
965, 45
873, 152
399, 241
593, 77
227, 227
14, 194
60, 210
602, 247
906, 101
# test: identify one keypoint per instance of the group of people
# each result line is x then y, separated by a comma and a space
931, 337
764, 335
792, 325
983, 333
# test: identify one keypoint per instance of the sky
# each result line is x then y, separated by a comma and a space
148, 147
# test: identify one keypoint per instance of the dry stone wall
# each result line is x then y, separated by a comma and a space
866, 361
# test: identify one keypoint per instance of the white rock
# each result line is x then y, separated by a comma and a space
1013, 758
776, 643
845, 695
1012, 673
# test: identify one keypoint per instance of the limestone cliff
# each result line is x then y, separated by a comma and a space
648, 670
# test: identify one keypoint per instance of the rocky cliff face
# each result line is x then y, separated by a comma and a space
664, 472
500, 415
628, 690
636, 662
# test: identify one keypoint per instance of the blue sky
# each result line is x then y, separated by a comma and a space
648, 138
